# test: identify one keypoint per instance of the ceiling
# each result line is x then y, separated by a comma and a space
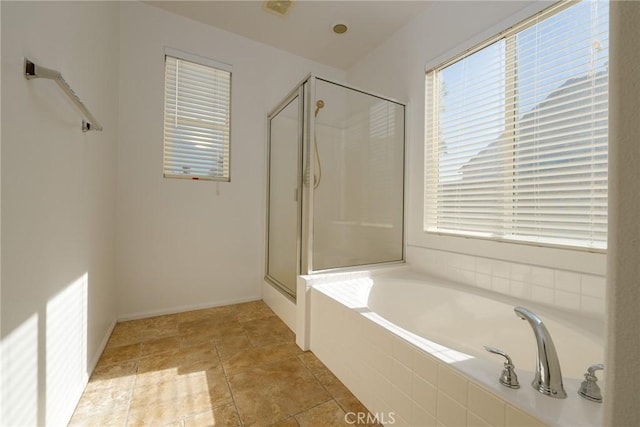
306, 30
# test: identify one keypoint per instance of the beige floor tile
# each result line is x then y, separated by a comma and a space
118, 375
350, 404
253, 310
221, 416
333, 385
177, 364
328, 414
232, 345
268, 331
186, 370
313, 363
157, 414
259, 356
124, 334
120, 354
272, 392
213, 383
206, 313
200, 334
289, 422
94, 419
159, 345
105, 400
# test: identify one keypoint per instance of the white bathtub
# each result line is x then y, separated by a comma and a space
414, 346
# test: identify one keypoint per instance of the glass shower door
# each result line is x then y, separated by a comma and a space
358, 200
283, 242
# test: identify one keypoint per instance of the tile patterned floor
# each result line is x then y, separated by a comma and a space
225, 366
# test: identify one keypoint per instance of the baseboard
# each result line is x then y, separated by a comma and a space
181, 309
282, 306
101, 347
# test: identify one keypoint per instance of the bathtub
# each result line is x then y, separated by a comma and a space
413, 346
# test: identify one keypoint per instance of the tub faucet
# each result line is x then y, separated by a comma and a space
548, 376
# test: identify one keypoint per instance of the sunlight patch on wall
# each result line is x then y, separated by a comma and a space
19, 403
66, 350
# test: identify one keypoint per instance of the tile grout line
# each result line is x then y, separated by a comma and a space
226, 378
133, 386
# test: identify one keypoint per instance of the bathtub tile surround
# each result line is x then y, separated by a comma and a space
417, 381
230, 365
568, 290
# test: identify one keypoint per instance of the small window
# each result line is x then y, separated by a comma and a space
197, 114
516, 133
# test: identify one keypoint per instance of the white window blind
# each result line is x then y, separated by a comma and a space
197, 111
516, 133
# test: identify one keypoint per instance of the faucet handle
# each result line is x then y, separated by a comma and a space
589, 389
508, 377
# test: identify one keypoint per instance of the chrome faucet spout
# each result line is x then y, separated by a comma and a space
548, 376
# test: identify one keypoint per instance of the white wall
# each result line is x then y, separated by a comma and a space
58, 206
184, 244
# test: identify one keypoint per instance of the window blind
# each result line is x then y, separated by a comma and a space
197, 112
516, 133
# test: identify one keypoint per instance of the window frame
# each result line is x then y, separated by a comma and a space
419, 239
448, 240
204, 61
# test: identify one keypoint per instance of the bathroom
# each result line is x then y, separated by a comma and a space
95, 234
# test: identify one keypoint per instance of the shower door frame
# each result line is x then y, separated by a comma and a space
297, 92
305, 90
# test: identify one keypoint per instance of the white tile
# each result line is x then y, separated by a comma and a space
453, 260
403, 352
467, 277
567, 281
542, 277
500, 284
520, 290
468, 262
542, 295
421, 417
475, 421
377, 385
517, 418
501, 269
399, 421
521, 272
487, 406
483, 280
452, 383
425, 394
401, 403
425, 366
450, 412
401, 377
483, 265
592, 306
593, 286
382, 364
567, 300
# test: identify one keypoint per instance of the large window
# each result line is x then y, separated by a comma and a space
197, 110
516, 133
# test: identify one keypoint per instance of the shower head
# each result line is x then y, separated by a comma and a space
319, 105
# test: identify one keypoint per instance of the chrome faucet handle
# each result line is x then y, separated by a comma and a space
589, 389
508, 377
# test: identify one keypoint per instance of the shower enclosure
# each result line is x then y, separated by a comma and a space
336, 181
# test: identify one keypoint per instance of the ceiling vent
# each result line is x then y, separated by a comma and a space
278, 7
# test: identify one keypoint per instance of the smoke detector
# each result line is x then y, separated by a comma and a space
278, 7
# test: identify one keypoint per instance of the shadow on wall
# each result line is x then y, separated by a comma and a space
45, 361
